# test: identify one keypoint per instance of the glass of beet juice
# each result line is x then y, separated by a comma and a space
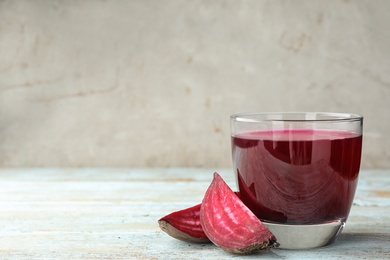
298, 172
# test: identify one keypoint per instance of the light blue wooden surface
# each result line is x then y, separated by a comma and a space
113, 213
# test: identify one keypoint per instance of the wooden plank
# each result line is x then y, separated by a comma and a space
113, 213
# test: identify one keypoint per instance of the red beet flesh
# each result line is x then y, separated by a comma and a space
229, 224
184, 225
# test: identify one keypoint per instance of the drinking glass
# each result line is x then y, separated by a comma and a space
298, 172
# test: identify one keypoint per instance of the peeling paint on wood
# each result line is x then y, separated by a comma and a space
113, 213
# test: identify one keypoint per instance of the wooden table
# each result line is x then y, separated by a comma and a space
113, 213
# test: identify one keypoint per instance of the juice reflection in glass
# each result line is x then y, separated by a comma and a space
297, 168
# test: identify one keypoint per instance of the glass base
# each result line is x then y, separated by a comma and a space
305, 236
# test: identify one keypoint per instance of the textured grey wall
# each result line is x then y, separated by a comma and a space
152, 83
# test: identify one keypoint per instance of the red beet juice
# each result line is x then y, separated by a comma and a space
299, 176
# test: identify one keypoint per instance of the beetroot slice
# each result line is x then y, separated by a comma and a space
184, 225
229, 224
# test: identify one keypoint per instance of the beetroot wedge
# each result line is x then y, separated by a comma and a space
184, 225
229, 224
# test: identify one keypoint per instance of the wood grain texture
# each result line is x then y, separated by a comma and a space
113, 213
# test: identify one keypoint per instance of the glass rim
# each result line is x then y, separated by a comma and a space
252, 117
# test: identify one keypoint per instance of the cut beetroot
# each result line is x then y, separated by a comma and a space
184, 225
229, 224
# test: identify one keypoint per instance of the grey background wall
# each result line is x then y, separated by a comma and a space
152, 83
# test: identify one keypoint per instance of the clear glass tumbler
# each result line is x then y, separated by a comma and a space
298, 172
